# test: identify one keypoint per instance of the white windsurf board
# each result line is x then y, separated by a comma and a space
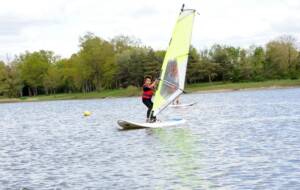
126, 125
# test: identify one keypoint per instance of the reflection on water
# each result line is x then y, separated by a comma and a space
236, 140
180, 158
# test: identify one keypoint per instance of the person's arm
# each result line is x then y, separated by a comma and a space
154, 84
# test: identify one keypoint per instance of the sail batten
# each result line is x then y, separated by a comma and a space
172, 85
173, 69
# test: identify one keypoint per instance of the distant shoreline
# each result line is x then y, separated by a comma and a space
203, 88
244, 89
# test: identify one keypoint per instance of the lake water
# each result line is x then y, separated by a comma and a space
233, 140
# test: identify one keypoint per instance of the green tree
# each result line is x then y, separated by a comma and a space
298, 64
53, 79
281, 58
14, 81
122, 43
98, 55
33, 67
245, 65
226, 58
134, 64
257, 59
3, 79
194, 73
10, 82
152, 62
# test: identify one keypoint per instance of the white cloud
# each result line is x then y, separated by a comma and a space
57, 24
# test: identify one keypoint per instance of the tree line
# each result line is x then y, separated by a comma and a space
124, 61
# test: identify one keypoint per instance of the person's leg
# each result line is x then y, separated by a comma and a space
152, 118
150, 108
149, 105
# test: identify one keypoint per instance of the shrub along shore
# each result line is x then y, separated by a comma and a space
132, 91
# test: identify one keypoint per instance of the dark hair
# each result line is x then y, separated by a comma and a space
147, 77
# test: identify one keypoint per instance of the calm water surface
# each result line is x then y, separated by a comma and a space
234, 140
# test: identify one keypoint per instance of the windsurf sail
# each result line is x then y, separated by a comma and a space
173, 70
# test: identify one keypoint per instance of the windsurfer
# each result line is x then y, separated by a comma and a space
148, 91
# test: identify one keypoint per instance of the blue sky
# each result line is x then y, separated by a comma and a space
57, 24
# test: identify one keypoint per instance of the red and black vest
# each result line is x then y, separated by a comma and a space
147, 92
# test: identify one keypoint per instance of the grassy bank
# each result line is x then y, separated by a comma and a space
131, 91
221, 86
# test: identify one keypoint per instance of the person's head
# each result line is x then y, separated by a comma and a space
147, 79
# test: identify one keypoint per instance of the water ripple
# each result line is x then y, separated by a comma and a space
236, 140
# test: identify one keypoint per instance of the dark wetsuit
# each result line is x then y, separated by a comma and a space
147, 95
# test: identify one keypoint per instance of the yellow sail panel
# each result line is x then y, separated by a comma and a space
173, 70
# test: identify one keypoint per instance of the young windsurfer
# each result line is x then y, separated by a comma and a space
148, 91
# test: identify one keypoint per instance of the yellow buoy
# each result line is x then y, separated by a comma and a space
87, 113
